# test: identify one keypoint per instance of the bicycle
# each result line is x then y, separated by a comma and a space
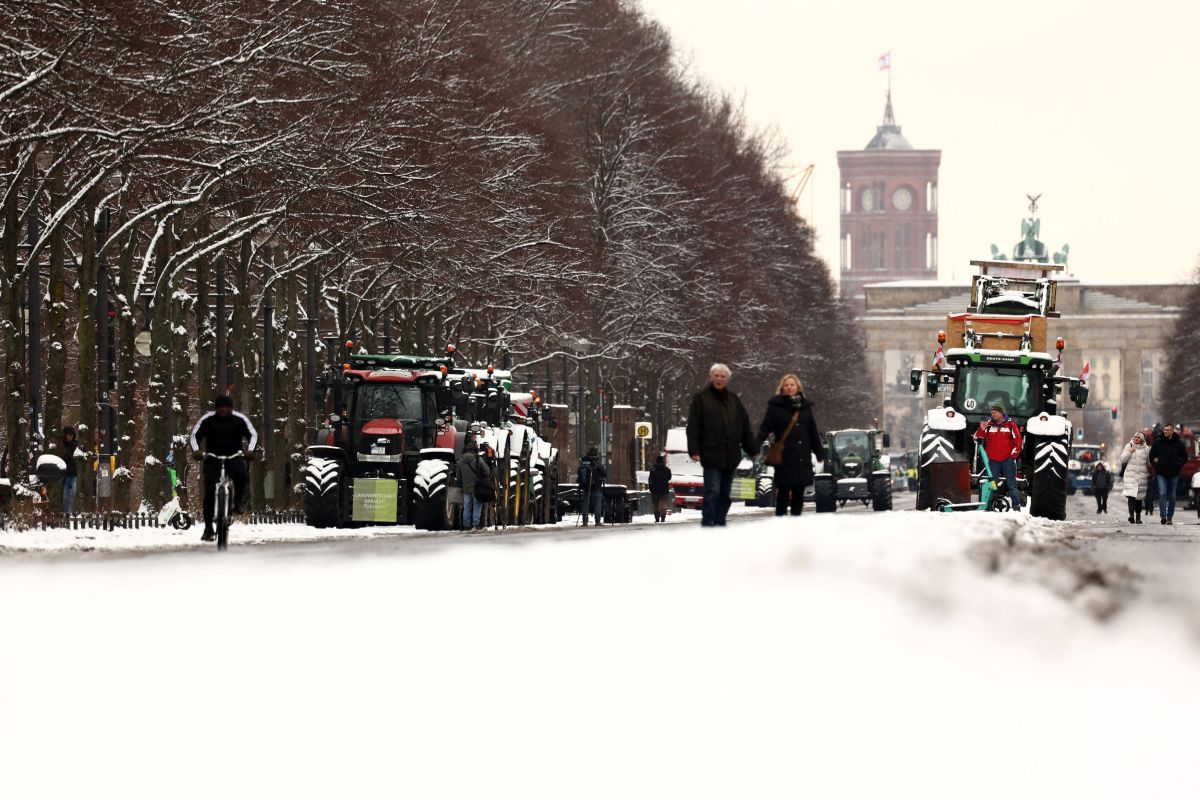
222, 514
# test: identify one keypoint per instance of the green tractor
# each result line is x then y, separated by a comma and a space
996, 353
855, 471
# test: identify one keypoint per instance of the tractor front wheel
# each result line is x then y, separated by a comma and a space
322, 492
1048, 485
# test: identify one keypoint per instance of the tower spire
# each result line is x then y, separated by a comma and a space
889, 118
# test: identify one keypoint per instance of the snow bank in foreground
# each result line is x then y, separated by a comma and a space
845, 656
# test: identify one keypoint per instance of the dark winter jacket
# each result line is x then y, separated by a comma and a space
1102, 480
472, 468
660, 479
1168, 456
68, 456
222, 436
802, 443
590, 472
718, 429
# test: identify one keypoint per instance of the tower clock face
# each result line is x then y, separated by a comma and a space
902, 198
868, 200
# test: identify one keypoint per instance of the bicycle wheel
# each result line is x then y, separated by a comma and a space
222, 533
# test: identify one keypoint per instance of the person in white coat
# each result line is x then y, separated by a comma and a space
1135, 476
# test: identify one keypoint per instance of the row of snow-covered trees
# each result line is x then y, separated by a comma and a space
513, 176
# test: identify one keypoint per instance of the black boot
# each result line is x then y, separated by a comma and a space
209, 534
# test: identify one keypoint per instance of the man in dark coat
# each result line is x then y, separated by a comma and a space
718, 430
1102, 483
802, 443
660, 488
1167, 456
591, 478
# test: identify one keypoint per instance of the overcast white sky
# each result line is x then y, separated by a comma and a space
1092, 104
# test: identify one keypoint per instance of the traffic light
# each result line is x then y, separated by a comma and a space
1114, 412
1079, 433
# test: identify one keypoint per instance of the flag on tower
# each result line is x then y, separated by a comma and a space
1087, 373
885, 60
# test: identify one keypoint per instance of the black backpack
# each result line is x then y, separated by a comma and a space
585, 473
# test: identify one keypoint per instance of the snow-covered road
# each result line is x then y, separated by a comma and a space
853, 655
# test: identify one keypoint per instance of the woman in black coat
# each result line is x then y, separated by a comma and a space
802, 443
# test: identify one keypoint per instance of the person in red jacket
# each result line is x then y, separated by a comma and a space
1002, 443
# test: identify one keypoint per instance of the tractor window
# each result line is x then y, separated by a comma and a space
852, 443
390, 401
1015, 389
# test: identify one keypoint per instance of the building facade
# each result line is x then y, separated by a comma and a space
1121, 331
889, 202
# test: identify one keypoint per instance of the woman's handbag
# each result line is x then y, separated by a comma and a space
774, 456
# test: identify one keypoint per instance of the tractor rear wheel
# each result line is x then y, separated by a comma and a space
431, 496
322, 492
825, 494
1048, 485
936, 447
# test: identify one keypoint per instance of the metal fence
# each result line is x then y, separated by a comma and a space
112, 521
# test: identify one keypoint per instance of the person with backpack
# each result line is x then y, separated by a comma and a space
475, 476
591, 478
660, 488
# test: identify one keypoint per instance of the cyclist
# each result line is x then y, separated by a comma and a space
223, 430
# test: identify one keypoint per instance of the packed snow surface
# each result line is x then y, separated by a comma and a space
848, 655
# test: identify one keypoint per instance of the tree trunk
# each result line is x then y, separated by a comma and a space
157, 432
56, 325
15, 422
86, 428
128, 429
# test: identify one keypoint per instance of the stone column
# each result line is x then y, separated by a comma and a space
623, 462
563, 438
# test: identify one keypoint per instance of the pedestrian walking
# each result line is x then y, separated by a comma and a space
71, 476
1002, 443
1167, 456
475, 476
591, 478
789, 419
1102, 483
718, 430
660, 488
1135, 475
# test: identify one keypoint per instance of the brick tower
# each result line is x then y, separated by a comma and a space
888, 211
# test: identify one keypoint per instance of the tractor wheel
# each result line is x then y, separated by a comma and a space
1048, 486
936, 446
431, 499
825, 494
764, 491
881, 493
322, 492
537, 495
552, 514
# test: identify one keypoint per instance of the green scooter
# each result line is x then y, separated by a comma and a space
993, 492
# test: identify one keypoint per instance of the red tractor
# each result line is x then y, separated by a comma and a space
392, 421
